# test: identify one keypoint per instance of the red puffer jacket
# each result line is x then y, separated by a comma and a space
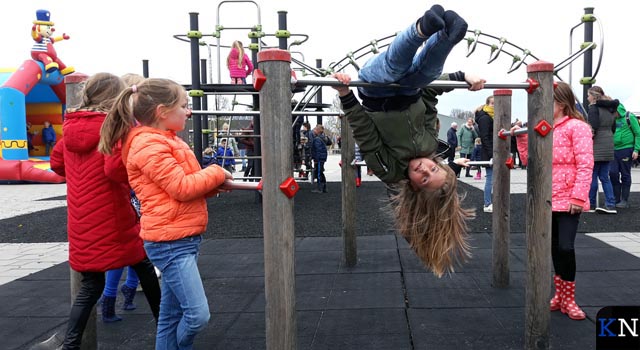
101, 223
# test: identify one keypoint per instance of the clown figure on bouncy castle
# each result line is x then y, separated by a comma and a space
42, 50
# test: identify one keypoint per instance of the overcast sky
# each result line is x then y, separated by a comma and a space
115, 36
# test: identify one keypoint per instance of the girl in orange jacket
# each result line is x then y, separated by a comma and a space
172, 188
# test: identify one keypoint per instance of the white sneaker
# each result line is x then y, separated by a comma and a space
488, 208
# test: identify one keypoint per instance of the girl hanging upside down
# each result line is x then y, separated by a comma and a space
396, 131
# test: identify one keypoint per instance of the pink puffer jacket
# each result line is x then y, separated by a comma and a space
245, 68
572, 164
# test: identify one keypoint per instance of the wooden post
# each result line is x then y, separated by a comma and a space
75, 85
501, 189
540, 107
348, 194
277, 208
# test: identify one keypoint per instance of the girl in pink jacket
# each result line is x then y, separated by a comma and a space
572, 171
239, 64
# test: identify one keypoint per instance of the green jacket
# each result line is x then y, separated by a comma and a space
389, 140
466, 139
625, 136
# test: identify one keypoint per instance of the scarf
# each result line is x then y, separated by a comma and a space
489, 110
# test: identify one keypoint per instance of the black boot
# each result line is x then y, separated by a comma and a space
129, 294
109, 310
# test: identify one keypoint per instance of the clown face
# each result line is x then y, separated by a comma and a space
45, 30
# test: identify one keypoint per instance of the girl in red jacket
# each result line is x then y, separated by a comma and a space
572, 171
102, 226
239, 64
172, 188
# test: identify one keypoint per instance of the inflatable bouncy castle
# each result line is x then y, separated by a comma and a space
33, 94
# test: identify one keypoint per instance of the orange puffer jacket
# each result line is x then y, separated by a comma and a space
171, 185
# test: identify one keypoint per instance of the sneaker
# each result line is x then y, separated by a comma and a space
468, 175
606, 210
488, 208
622, 204
591, 210
477, 177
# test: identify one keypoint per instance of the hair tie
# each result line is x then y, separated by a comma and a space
134, 88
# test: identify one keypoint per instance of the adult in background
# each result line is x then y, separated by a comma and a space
466, 140
601, 117
572, 169
626, 145
452, 140
484, 119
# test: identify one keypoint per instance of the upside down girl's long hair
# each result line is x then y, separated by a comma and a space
434, 223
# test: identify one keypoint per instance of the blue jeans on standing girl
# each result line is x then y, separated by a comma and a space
184, 310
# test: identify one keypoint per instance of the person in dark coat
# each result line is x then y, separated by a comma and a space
484, 119
319, 154
603, 123
452, 140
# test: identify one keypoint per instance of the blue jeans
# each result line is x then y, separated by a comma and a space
243, 153
113, 279
184, 310
620, 174
400, 64
601, 171
488, 187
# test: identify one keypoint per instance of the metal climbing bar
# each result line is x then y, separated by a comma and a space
248, 113
504, 133
435, 83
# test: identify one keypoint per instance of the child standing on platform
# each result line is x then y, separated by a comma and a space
172, 188
239, 64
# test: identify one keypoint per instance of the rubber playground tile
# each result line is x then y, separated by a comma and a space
469, 341
367, 281
345, 299
231, 265
17, 332
318, 262
229, 285
356, 342
362, 322
456, 322
232, 246
373, 261
453, 298
426, 280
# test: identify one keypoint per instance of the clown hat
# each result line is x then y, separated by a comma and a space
43, 17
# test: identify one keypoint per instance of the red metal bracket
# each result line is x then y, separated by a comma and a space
533, 85
509, 163
543, 128
258, 79
289, 187
501, 134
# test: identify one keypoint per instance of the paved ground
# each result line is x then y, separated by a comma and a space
388, 301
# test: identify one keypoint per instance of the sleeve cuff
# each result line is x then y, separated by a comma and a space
348, 100
457, 76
